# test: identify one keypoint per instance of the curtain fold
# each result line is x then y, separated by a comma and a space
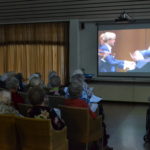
30, 48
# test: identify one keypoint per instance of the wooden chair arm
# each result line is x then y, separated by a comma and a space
96, 127
59, 139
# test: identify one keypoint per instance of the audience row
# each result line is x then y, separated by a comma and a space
77, 94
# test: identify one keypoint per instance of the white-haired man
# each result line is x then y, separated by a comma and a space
107, 62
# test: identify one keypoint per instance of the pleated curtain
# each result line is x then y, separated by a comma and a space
31, 48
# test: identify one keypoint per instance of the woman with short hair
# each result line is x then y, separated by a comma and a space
5, 103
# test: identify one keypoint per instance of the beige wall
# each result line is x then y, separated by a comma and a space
123, 92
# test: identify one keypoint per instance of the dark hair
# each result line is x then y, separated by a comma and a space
36, 95
12, 83
55, 81
19, 76
75, 90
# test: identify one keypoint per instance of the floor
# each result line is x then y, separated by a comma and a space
126, 125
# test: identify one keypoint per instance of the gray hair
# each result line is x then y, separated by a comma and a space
51, 74
12, 83
5, 97
34, 75
36, 81
75, 90
77, 71
78, 78
8, 75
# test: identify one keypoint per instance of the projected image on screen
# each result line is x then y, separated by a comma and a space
124, 51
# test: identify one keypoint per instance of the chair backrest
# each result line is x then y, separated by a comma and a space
33, 133
77, 121
55, 101
7, 132
38, 134
81, 127
24, 95
24, 108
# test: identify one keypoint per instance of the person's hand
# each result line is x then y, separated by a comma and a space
129, 65
136, 56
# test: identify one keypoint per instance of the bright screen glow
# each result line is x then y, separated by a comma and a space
124, 52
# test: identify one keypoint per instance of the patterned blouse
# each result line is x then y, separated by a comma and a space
42, 112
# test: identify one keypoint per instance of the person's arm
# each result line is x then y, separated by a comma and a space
145, 53
111, 60
93, 114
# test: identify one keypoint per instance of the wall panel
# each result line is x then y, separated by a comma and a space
23, 11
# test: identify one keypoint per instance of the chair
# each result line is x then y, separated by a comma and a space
24, 95
24, 108
81, 127
55, 101
38, 134
7, 132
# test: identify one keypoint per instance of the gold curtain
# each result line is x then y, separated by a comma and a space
31, 48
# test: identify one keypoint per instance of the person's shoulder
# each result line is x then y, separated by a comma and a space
103, 47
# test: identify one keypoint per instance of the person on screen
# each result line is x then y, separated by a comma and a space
108, 62
142, 59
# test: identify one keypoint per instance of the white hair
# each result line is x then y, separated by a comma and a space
109, 36
5, 97
77, 71
33, 75
35, 81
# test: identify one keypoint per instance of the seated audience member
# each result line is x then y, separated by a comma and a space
12, 85
35, 81
75, 92
34, 75
19, 76
55, 88
87, 92
50, 75
39, 110
6, 76
5, 103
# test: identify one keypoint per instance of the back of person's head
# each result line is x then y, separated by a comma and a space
75, 90
51, 74
19, 76
77, 71
35, 81
39, 74
36, 95
7, 76
109, 36
55, 81
78, 78
12, 83
33, 75
5, 97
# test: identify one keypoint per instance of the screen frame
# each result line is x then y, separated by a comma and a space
114, 75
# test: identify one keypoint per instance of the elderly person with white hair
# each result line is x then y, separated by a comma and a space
35, 80
5, 103
12, 85
107, 62
87, 92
